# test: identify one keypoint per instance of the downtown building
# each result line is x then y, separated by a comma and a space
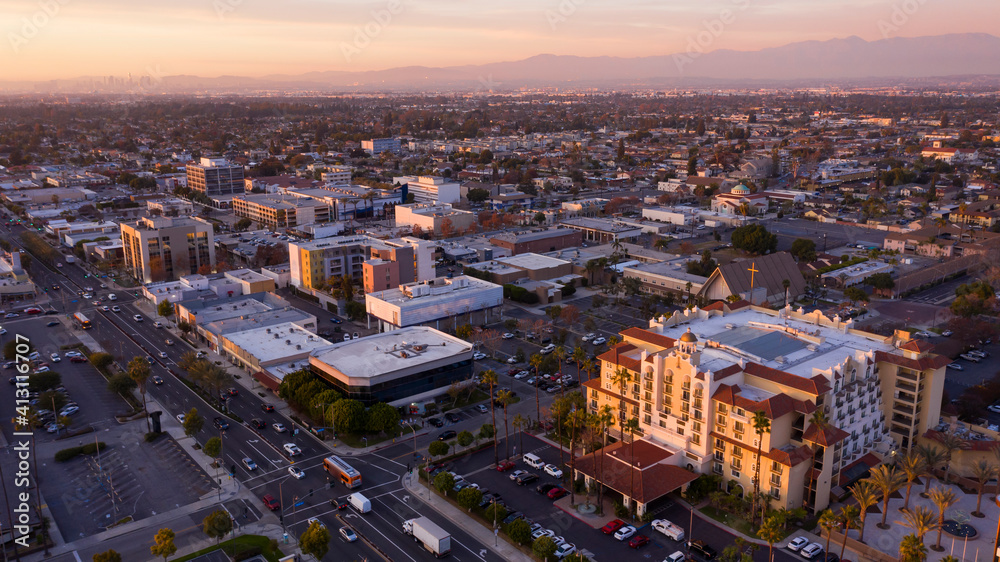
838, 401
215, 177
166, 248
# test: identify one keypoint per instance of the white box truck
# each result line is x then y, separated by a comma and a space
359, 502
435, 539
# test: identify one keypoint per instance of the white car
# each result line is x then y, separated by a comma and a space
625, 533
995, 408
797, 543
811, 551
312, 520
507, 336
599, 341
565, 549
542, 533
137, 318
522, 375
279, 427
55, 358
106, 308
547, 349
115, 309
69, 410
163, 355
516, 473
478, 356
181, 418
553, 471
956, 366
511, 360
72, 353
297, 473
589, 337
292, 449
348, 534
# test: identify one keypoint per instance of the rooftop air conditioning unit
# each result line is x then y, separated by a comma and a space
269, 330
812, 347
780, 359
297, 346
730, 326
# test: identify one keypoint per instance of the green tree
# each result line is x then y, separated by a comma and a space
100, 360
315, 540
754, 239
464, 331
193, 422
212, 447
942, 498
469, 497
444, 482
544, 548
771, 531
138, 371
519, 531
887, 480
217, 524
477, 195
829, 521
880, 281
381, 418
107, 556
242, 225
761, 425
983, 471
10, 349
912, 465
437, 448
465, 438
164, 544
866, 494
912, 549
165, 309
804, 250
489, 378
974, 298
500, 512
855, 295
121, 383
920, 520
848, 520
348, 415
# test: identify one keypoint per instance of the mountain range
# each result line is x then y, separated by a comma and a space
952, 58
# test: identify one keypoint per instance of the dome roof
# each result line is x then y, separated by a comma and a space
688, 337
741, 190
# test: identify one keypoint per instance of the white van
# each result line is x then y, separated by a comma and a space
112, 297
533, 461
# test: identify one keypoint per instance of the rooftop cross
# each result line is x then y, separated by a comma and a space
753, 269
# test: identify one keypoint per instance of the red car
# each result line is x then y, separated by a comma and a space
271, 503
556, 493
75, 359
612, 526
32, 310
504, 466
638, 540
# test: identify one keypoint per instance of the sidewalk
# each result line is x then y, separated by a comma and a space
503, 549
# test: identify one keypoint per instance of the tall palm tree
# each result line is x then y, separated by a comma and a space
951, 442
761, 425
520, 424
786, 284
942, 498
138, 371
848, 520
504, 397
866, 494
621, 378
536, 361
983, 471
579, 357
933, 456
912, 465
920, 519
771, 531
588, 367
632, 426
602, 420
489, 377
887, 479
559, 410
577, 421
911, 549
829, 521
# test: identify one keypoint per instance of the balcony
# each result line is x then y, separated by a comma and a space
905, 386
904, 375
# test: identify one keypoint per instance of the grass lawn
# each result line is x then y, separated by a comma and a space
355, 439
730, 520
241, 543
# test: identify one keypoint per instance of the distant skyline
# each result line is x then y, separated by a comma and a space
62, 39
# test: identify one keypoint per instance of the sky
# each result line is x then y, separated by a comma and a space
49, 39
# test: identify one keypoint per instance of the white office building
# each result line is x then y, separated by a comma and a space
436, 303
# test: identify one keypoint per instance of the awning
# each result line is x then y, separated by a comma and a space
267, 380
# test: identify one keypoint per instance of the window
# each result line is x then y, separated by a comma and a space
738, 427
740, 412
646, 419
717, 468
722, 409
735, 473
695, 439
775, 480
776, 493
696, 427
720, 444
720, 456
737, 452
776, 467
721, 420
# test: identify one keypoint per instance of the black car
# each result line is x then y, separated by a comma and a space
526, 479
267, 407
53, 311
831, 557
221, 423
446, 435
52, 323
157, 380
258, 423
703, 549
511, 517
545, 488
436, 422
452, 417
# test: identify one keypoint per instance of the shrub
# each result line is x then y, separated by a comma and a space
702, 487
72, 452
519, 531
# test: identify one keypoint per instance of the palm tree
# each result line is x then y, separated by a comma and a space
932, 457
829, 521
866, 495
848, 520
579, 357
920, 519
911, 549
983, 471
761, 425
138, 371
558, 410
536, 362
621, 378
602, 421
520, 424
632, 426
771, 531
489, 377
786, 284
887, 479
504, 397
588, 367
577, 420
912, 465
951, 442
943, 498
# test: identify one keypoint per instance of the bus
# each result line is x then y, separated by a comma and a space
346, 473
82, 321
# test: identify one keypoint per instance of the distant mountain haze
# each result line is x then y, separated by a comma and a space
850, 59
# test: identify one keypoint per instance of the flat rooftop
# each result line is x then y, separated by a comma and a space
277, 342
603, 225
389, 352
531, 261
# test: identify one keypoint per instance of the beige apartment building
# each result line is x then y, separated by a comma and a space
838, 400
280, 211
165, 248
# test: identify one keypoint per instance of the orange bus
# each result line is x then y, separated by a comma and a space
344, 472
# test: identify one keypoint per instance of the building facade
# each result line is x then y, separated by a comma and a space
163, 248
436, 302
439, 219
279, 212
215, 176
378, 146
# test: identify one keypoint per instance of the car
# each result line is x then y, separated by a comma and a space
478, 356
296, 473
248, 462
34, 356
504, 466
812, 550
341, 505
947, 333
33, 310
55, 357
220, 423
972, 358
527, 478
69, 410
311, 520
157, 324
547, 349
512, 516
512, 360
271, 503
638, 541
797, 543
149, 359
53, 427
589, 336
625, 532
514, 475
116, 309
335, 320
956, 366
10, 365
52, 324
553, 471
168, 341
978, 353
77, 359
72, 353
544, 489
521, 375
436, 422
482, 409
701, 548
157, 380
538, 533
599, 341
556, 493
106, 308
267, 407
137, 318
831, 557
995, 408
452, 417
507, 336
348, 534
232, 391
292, 449
564, 550
279, 427
446, 435
88, 289
181, 418
612, 526
11, 315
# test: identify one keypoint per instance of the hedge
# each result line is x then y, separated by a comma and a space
73, 452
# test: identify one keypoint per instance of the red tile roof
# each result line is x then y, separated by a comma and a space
786, 458
651, 482
727, 372
649, 337
922, 364
773, 407
615, 356
917, 345
815, 386
828, 437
